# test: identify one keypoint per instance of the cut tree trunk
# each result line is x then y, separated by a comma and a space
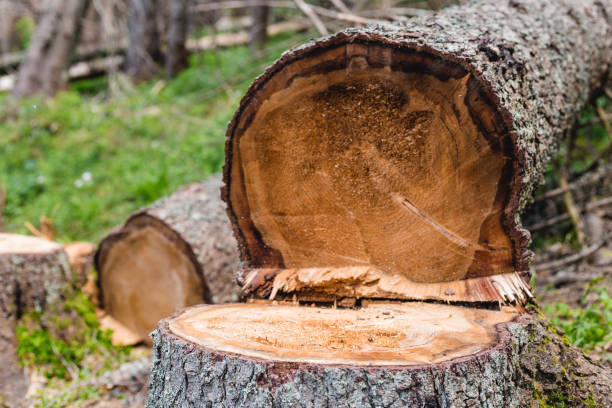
412, 147
43, 72
34, 274
382, 355
176, 54
380, 167
143, 53
176, 253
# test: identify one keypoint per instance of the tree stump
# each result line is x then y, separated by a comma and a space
381, 355
34, 274
178, 252
33, 271
374, 174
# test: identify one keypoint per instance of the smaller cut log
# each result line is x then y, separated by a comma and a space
34, 276
178, 252
380, 355
33, 271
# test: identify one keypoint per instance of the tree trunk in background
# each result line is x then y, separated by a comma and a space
259, 27
9, 14
176, 54
44, 69
34, 276
143, 52
182, 246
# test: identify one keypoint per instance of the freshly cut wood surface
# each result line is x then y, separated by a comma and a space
25, 244
380, 334
372, 165
412, 147
384, 355
178, 252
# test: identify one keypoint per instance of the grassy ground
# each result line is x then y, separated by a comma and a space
94, 154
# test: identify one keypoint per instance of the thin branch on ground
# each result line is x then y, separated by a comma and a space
341, 6
562, 217
573, 258
308, 11
572, 211
589, 178
604, 119
350, 18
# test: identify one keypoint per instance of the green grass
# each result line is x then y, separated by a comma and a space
91, 156
42, 341
590, 326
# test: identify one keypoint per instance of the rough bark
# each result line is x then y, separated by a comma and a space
529, 366
31, 280
35, 275
536, 76
259, 29
47, 59
191, 223
143, 52
176, 54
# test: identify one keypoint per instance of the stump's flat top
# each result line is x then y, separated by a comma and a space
382, 334
24, 244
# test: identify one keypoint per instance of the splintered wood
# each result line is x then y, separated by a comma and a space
380, 334
364, 282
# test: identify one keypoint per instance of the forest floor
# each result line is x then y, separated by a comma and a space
79, 164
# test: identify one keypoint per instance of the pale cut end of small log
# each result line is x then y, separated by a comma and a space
365, 282
144, 277
175, 253
80, 256
122, 336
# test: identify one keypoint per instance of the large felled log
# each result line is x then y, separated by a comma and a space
178, 252
380, 167
412, 147
34, 274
